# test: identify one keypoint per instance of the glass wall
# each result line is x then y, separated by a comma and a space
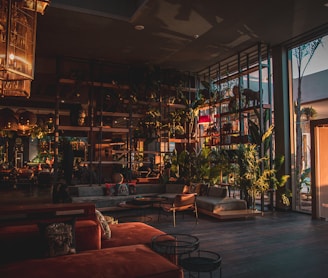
309, 64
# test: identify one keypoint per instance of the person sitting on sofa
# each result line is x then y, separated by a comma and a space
120, 187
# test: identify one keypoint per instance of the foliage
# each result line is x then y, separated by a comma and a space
190, 166
205, 165
305, 51
43, 128
221, 164
309, 112
200, 167
176, 119
149, 125
255, 131
256, 174
304, 179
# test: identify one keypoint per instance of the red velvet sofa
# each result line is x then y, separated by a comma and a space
126, 254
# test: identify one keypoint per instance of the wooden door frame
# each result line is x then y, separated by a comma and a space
313, 125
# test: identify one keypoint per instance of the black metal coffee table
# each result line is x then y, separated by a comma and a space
148, 200
172, 246
140, 204
201, 261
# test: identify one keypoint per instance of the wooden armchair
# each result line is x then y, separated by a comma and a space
181, 203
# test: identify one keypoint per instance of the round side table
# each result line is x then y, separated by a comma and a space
202, 261
173, 246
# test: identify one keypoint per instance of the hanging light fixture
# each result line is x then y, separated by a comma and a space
8, 120
26, 121
17, 44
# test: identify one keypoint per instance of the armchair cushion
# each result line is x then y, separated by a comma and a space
181, 202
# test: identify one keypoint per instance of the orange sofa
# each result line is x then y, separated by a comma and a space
126, 254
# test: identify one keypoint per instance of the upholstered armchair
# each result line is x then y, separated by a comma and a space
181, 203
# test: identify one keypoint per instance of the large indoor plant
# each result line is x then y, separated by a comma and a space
258, 174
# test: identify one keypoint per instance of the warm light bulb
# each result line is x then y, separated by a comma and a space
11, 56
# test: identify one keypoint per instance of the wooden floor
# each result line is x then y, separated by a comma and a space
277, 244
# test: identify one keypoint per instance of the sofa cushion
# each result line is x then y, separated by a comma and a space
132, 188
104, 201
58, 238
216, 191
130, 233
84, 191
109, 189
120, 262
215, 204
87, 235
174, 188
19, 242
153, 189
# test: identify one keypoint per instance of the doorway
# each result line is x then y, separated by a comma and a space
319, 165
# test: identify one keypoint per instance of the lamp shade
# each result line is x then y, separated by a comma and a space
38, 5
26, 121
8, 119
204, 119
27, 118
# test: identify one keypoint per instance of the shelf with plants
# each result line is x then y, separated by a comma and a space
239, 105
238, 95
147, 110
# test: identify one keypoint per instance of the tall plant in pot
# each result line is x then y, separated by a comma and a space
257, 175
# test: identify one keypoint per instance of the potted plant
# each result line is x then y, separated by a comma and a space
257, 176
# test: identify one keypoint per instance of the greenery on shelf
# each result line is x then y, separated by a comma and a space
222, 164
205, 165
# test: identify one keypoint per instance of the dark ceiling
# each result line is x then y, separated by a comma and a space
188, 35
185, 35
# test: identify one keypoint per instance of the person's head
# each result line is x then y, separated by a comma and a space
118, 178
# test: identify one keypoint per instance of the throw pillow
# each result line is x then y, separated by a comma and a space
132, 189
121, 189
58, 238
109, 189
110, 220
106, 232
